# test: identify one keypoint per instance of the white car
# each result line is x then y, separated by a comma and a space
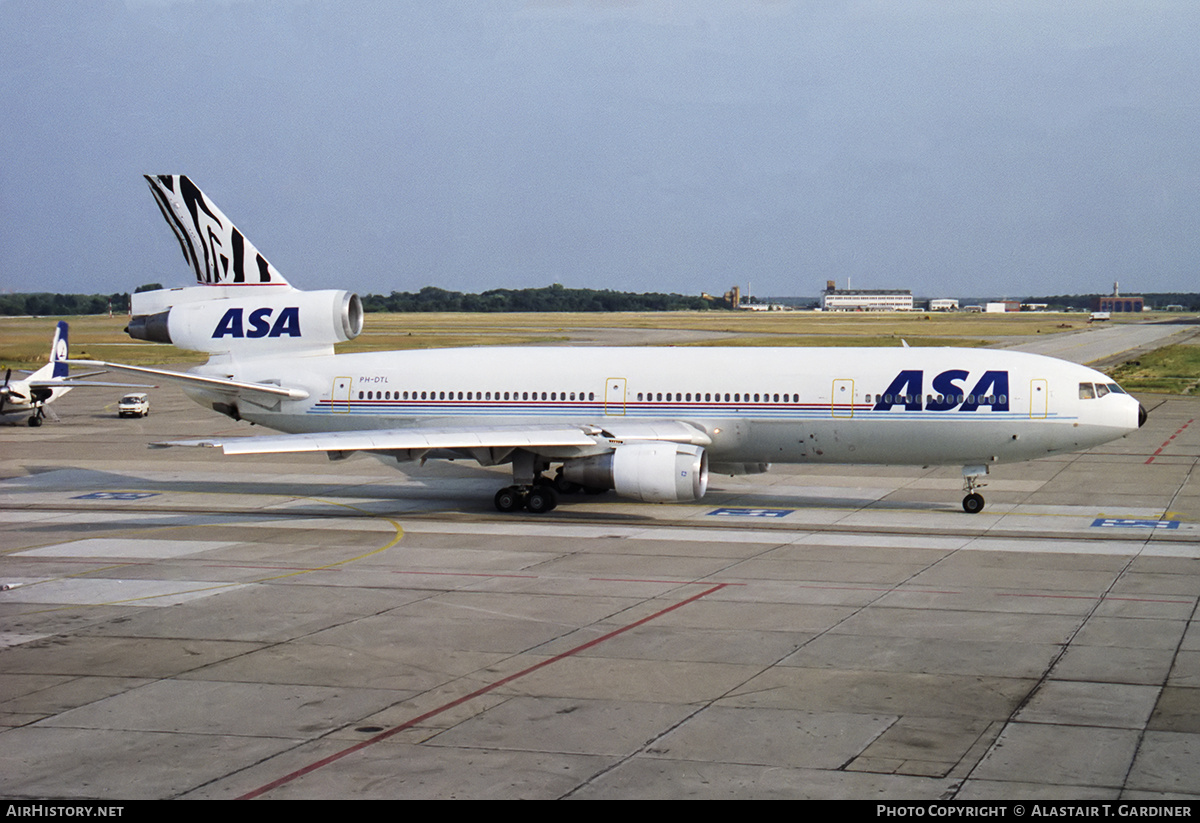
133, 405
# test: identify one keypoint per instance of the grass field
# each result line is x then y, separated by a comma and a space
743, 323
1169, 370
25, 341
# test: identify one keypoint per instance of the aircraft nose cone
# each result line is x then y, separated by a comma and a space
1141, 415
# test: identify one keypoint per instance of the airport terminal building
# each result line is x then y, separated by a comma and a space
867, 300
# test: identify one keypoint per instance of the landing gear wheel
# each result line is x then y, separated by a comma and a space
973, 503
541, 499
508, 499
35, 421
564, 486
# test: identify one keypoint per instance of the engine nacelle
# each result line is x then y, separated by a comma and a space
653, 471
288, 320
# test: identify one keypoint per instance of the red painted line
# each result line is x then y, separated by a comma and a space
312, 767
652, 580
1167, 442
540, 577
470, 574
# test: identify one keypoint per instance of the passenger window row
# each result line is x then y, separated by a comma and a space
709, 397
474, 395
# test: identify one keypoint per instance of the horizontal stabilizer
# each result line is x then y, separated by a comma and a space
233, 388
69, 383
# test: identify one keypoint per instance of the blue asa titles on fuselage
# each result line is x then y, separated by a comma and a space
286, 324
907, 390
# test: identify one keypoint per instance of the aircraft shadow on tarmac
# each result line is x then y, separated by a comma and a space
457, 492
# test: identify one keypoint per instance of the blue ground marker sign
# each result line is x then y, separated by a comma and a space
115, 496
750, 512
1123, 523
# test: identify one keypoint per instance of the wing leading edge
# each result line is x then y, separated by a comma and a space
488, 445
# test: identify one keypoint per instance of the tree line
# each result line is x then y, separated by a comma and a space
1158, 300
429, 299
548, 299
45, 303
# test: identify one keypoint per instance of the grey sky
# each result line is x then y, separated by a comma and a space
1000, 148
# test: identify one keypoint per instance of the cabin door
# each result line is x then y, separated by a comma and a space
340, 399
1039, 399
842, 401
614, 396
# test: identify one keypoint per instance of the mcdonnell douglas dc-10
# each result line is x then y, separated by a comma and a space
650, 423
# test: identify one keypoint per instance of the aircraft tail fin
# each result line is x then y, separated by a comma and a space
56, 368
217, 252
58, 352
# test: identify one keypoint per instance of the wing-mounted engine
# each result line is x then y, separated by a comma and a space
653, 471
228, 320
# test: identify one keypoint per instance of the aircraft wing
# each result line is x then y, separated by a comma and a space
234, 388
419, 439
459, 438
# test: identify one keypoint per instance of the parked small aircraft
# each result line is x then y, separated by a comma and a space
31, 395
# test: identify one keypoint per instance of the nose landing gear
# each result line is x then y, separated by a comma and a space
973, 502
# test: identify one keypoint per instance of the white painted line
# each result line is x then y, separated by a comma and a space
92, 591
116, 547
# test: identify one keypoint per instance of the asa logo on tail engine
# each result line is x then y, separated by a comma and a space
286, 324
907, 391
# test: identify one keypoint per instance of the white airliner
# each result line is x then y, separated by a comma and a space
650, 423
31, 395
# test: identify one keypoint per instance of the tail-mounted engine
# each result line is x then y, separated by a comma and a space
226, 319
653, 471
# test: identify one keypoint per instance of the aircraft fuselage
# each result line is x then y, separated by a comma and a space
785, 405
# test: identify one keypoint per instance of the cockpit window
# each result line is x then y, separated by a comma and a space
1086, 391
1115, 389
1101, 389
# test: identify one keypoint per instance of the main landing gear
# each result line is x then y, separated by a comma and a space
538, 498
533, 491
973, 502
530, 490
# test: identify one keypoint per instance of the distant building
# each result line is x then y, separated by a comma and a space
1115, 303
1001, 306
835, 299
943, 304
